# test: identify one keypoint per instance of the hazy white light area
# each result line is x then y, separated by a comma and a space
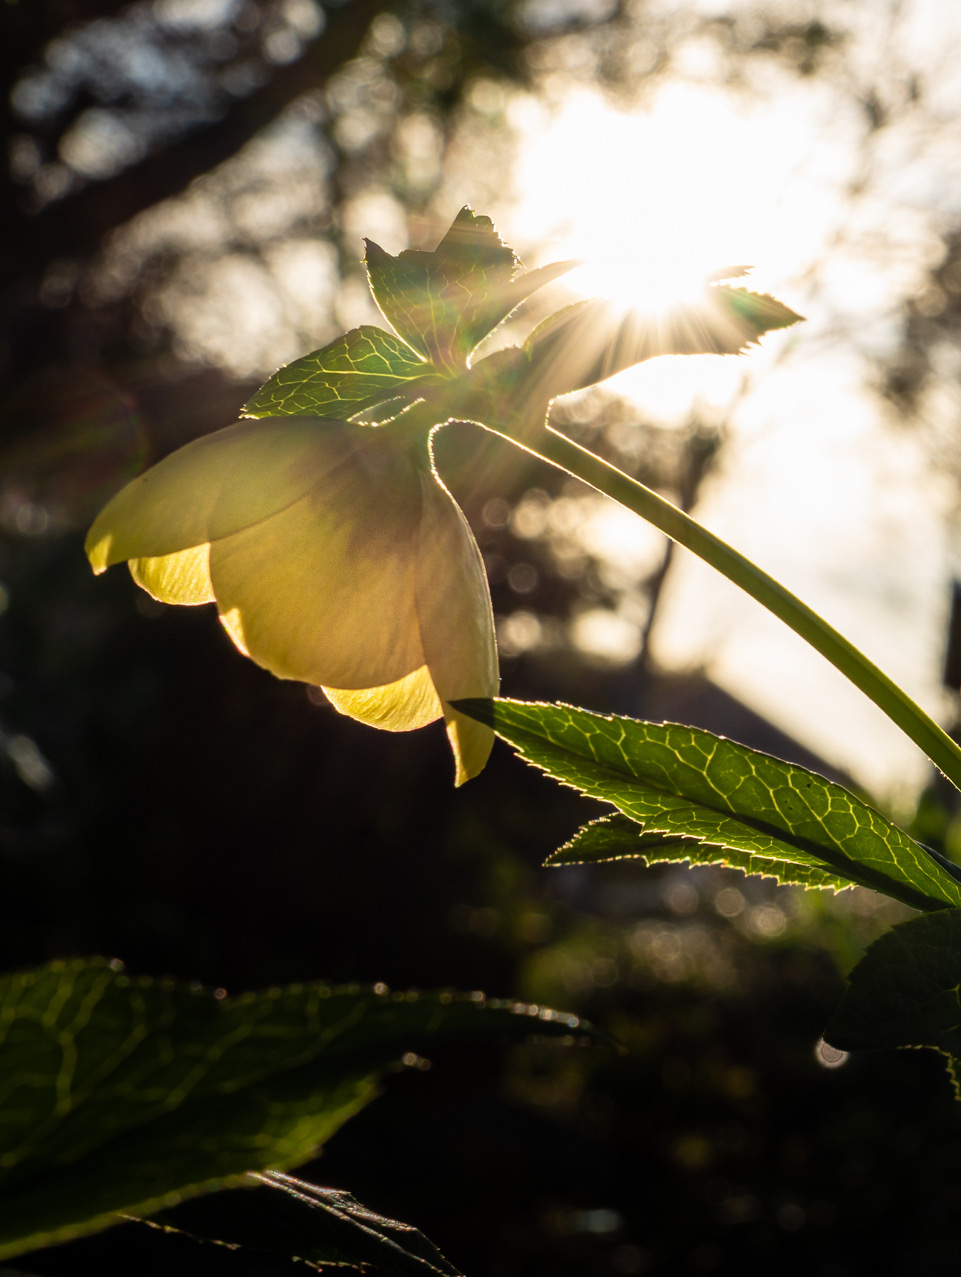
517, 633
841, 225
606, 635
195, 14
627, 547
223, 308
247, 291
655, 202
99, 144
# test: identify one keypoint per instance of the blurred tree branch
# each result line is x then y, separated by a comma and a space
77, 223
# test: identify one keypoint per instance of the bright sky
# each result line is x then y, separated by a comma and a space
813, 485
663, 197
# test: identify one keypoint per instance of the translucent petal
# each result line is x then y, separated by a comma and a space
232, 623
396, 707
324, 590
183, 577
456, 622
216, 486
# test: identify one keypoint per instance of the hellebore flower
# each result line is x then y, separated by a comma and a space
335, 556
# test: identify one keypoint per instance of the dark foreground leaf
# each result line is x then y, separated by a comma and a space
121, 1095
323, 1227
906, 990
731, 804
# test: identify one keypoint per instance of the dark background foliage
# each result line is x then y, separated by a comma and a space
167, 803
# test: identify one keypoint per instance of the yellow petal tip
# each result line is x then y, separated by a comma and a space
98, 552
471, 742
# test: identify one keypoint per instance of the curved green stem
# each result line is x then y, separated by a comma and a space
844, 656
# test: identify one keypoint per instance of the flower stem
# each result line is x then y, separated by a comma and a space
844, 656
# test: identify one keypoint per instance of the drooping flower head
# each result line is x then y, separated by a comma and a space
334, 555
331, 548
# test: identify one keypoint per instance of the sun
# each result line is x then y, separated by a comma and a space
658, 201
647, 287
655, 202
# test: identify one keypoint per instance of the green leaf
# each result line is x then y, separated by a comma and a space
121, 1095
321, 1226
681, 780
445, 302
906, 990
589, 341
364, 367
620, 838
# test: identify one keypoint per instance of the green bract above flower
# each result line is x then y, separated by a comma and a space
335, 556
443, 303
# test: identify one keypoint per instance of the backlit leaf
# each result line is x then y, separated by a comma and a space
620, 838
362, 368
444, 302
591, 340
675, 780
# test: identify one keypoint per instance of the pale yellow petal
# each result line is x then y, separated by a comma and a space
183, 577
216, 486
456, 622
232, 623
401, 706
471, 742
324, 590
